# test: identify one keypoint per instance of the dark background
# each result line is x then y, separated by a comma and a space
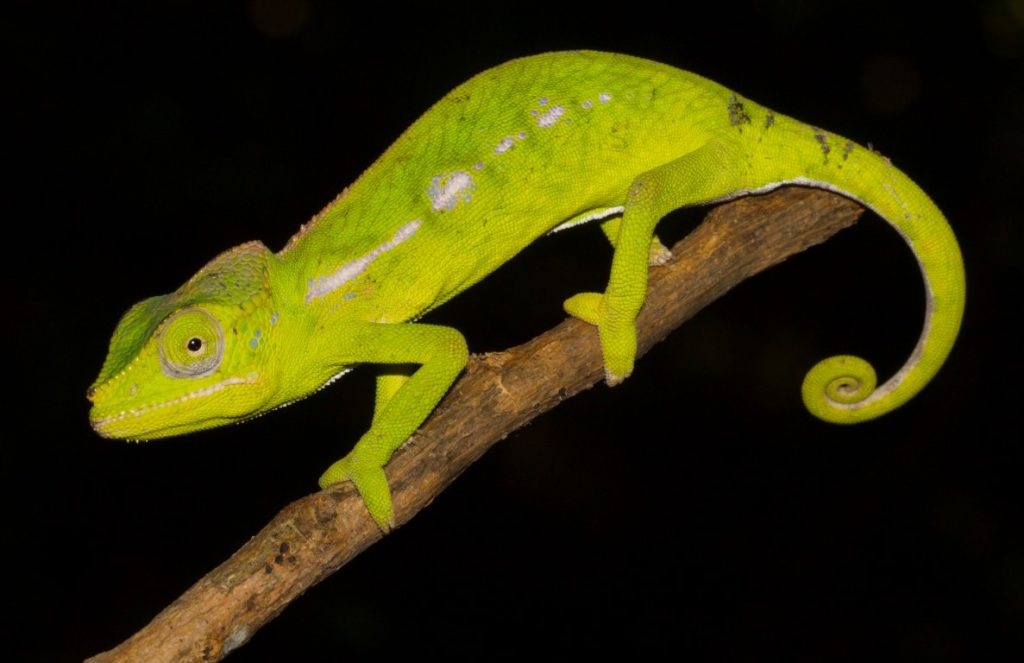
697, 509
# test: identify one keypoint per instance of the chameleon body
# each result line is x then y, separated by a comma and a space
536, 144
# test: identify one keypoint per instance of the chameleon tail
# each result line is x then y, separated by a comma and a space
842, 389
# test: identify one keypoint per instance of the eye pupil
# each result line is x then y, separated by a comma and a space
195, 344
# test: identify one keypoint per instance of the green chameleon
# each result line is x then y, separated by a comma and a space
535, 145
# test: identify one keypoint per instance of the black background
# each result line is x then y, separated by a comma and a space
697, 509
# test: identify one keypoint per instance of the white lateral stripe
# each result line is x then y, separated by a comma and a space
596, 215
326, 284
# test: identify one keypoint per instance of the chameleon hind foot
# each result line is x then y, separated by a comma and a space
618, 335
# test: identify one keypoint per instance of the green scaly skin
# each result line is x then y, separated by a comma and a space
512, 154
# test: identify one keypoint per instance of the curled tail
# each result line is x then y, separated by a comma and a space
843, 389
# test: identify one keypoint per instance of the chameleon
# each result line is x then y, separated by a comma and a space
538, 144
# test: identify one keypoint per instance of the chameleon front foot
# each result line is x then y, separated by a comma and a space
371, 483
618, 335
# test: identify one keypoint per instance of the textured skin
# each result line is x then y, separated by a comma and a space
503, 159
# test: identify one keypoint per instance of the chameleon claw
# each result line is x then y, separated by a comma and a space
612, 379
659, 254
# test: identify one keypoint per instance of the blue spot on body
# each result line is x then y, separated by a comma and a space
349, 295
254, 343
273, 317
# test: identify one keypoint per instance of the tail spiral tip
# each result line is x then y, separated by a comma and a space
834, 388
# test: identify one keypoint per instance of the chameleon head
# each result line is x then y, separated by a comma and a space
193, 359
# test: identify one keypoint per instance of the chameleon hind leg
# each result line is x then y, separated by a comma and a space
701, 176
658, 253
404, 400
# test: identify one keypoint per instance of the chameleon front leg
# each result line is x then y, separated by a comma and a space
403, 402
706, 174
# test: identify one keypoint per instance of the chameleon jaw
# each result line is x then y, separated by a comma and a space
124, 424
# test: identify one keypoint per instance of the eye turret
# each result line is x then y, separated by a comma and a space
191, 344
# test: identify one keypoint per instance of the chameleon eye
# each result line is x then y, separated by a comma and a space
190, 343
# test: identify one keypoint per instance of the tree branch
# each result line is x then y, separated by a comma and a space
314, 536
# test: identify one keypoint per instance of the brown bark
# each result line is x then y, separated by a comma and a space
314, 536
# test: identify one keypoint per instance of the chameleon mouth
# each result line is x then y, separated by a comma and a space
124, 423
